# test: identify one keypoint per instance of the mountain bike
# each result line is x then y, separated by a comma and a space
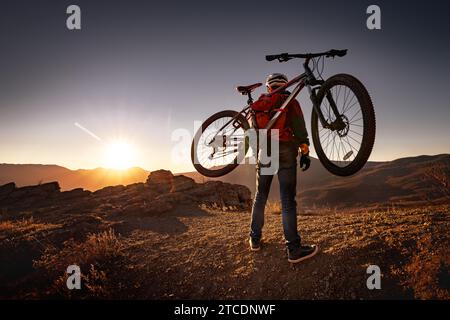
342, 121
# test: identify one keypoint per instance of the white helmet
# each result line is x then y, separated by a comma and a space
276, 80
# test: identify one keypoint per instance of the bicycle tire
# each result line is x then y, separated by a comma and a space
368, 115
214, 173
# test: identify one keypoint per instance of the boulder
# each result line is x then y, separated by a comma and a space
244, 194
35, 192
160, 180
159, 206
135, 187
109, 191
223, 194
73, 194
144, 208
182, 183
50, 187
175, 198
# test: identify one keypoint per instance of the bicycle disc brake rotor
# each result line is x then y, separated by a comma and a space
344, 131
218, 144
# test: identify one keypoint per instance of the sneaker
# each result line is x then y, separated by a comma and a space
302, 253
255, 245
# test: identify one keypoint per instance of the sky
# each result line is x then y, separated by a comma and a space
143, 71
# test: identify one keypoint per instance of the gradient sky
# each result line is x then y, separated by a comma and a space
139, 70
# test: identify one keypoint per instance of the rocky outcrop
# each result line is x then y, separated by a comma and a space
74, 194
162, 192
182, 183
9, 192
160, 181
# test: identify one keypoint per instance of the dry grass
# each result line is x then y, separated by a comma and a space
428, 271
23, 229
273, 207
98, 257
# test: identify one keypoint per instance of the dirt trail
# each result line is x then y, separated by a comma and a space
202, 253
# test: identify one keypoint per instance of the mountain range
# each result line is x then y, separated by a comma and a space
412, 180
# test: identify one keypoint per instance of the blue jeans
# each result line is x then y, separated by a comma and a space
287, 177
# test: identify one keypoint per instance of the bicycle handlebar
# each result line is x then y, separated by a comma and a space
286, 56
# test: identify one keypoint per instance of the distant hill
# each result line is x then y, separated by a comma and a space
32, 174
413, 180
421, 179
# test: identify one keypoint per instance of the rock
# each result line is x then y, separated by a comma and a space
176, 198
138, 187
182, 183
162, 192
50, 187
160, 206
34, 193
135, 209
73, 194
109, 191
244, 194
142, 208
160, 180
222, 194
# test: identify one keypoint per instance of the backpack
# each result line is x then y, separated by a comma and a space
266, 107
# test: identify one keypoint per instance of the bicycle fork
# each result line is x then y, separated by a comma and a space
337, 124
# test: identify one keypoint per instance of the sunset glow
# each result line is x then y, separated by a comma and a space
120, 155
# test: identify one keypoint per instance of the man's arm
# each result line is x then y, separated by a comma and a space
298, 126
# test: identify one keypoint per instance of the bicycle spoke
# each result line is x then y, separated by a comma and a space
354, 139
342, 146
328, 141
356, 120
345, 100
356, 132
224, 153
351, 146
349, 103
359, 110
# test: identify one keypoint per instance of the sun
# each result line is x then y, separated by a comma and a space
120, 155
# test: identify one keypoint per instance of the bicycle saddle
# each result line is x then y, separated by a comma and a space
247, 89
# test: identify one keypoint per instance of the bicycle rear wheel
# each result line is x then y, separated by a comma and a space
220, 144
345, 146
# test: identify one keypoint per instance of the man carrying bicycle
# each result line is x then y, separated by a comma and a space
292, 136
343, 132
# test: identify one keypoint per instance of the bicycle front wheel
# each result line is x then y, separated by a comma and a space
220, 144
344, 146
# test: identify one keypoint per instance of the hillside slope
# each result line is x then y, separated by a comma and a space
170, 238
421, 179
410, 181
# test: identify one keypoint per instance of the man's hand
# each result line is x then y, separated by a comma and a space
305, 162
304, 148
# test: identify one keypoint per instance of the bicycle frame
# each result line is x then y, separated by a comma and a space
305, 79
